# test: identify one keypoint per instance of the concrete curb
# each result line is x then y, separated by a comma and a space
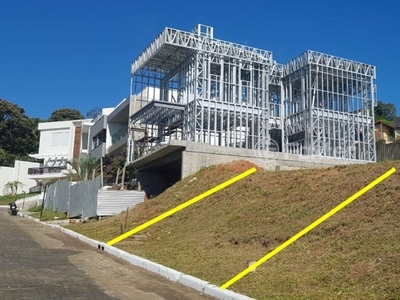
168, 273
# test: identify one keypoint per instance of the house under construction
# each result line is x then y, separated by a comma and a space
189, 87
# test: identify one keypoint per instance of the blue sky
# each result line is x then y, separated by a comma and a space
77, 54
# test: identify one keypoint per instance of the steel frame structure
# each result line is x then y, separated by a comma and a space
193, 87
224, 86
329, 107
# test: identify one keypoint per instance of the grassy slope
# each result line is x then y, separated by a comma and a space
353, 255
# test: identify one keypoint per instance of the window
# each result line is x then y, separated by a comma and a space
59, 139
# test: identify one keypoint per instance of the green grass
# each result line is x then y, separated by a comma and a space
36, 208
4, 200
47, 215
354, 255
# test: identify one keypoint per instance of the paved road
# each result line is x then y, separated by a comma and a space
38, 262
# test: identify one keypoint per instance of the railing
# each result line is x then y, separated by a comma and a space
119, 135
35, 189
45, 170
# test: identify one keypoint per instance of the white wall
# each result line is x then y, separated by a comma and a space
18, 173
56, 138
21, 174
6, 175
107, 110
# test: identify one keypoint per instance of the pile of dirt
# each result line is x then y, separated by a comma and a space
353, 255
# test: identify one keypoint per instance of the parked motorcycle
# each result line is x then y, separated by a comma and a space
13, 209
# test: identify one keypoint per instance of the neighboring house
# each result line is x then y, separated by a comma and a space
98, 134
59, 142
117, 128
109, 132
18, 173
384, 131
397, 128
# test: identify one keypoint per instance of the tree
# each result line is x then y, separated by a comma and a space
93, 113
385, 111
3, 157
65, 114
18, 134
115, 163
11, 187
82, 168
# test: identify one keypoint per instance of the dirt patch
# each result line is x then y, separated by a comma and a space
237, 166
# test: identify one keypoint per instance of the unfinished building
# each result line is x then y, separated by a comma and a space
189, 87
329, 107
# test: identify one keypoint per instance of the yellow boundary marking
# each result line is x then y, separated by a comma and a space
308, 228
182, 206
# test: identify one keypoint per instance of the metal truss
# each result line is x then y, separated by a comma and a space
230, 95
224, 86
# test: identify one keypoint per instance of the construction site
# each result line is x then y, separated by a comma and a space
198, 101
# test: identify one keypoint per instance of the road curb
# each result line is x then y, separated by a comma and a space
168, 273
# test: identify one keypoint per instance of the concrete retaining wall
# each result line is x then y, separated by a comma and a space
197, 156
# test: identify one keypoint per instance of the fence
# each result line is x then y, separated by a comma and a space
74, 198
388, 151
84, 199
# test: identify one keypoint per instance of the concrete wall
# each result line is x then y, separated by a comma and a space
18, 173
197, 156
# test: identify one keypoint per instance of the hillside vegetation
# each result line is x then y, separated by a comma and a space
353, 255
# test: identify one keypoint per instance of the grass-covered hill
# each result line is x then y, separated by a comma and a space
353, 255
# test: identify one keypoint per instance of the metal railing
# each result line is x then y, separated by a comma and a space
119, 135
45, 170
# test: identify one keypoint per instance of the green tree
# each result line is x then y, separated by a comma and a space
3, 157
385, 111
111, 166
11, 187
18, 134
65, 114
82, 168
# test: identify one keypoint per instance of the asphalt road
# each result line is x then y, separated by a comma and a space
38, 262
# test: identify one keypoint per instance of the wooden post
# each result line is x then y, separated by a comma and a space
101, 172
41, 209
126, 218
116, 178
123, 178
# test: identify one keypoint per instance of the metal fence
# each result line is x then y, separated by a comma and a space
77, 199
388, 151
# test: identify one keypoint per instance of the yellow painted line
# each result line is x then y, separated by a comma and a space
182, 206
308, 228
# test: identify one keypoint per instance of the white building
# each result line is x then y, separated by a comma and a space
18, 173
60, 142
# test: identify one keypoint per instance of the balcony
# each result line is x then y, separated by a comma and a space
118, 141
46, 173
119, 135
46, 170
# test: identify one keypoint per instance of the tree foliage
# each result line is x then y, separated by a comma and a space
11, 187
385, 111
83, 168
65, 114
18, 133
111, 166
93, 113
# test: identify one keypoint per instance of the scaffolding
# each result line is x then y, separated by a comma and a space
190, 86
